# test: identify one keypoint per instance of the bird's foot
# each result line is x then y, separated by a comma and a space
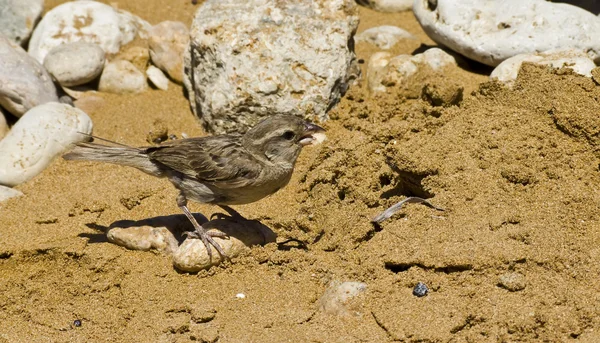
207, 239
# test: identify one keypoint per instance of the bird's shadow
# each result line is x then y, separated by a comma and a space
178, 224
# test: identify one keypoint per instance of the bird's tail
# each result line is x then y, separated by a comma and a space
122, 155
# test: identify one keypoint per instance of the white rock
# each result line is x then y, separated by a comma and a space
387, 5
157, 78
385, 71
24, 83
122, 77
335, 299
251, 58
3, 125
576, 60
87, 21
168, 41
73, 64
383, 37
43, 133
7, 193
491, 31
17, 18
192, 255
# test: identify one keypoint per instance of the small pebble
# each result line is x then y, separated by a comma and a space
513, 282
122, 77
240, 296
157, 78
77, 323
383, 37
168, 41
420, 290
74, 64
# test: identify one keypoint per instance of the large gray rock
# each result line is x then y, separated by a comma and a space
74, 64
168, 41
250, 59
491, 31
24, 83
87, 21
17, 18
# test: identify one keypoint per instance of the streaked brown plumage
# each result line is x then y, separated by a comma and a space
223, 170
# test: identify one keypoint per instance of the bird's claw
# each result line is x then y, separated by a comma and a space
207, 239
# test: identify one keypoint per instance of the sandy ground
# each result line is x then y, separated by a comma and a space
517, 172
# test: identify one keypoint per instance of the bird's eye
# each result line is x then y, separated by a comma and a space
288, 135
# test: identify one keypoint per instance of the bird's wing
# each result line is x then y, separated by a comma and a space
220, 160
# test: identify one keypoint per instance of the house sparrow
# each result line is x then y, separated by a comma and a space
227, 169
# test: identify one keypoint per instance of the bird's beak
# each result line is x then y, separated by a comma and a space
313, 134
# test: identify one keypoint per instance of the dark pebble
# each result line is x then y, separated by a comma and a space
420, 290
77, 323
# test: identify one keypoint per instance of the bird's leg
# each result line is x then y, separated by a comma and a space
199, 231
233, 214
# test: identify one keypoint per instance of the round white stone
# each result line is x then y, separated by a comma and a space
73, 64
491, 31
88, 21
42, 134
157, 78
122, 77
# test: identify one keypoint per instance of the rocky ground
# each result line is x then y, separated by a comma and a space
512, 258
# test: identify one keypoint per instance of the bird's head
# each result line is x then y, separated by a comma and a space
280, 138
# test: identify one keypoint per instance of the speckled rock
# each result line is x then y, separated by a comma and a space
87, 21
512, 282
24, 83
507, 71
385, 71
168, 41
74, 64
157, 78
192, 255
43, 133
143, 238
250, 59
122, 77
383, 37
335, 299
387, 5
17, 18
137, 55
491, 31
